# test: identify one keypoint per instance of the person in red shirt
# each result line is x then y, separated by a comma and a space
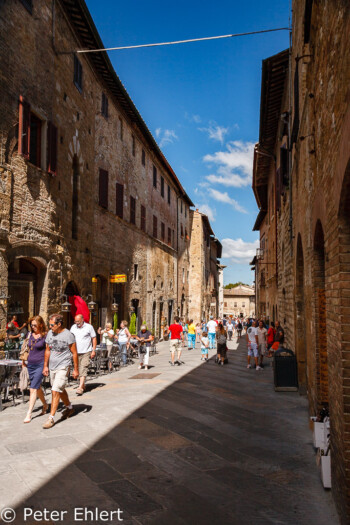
176, 332
271, 336
13, 320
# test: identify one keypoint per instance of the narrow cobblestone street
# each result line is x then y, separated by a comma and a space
196, 443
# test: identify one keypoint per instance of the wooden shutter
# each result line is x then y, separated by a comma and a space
119, 200
169, 236
132, 210
51, 148
155, 226
162, 186
162, 230
24, 128
143, 218
284, 167
103, 189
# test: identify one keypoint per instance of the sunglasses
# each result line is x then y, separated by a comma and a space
33, 325
52, 324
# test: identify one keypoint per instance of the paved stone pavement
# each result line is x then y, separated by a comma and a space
196, 444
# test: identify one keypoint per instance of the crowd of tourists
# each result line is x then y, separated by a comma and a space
50, 351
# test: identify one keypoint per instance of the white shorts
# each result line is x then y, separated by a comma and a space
58, 379
262, 348
174, 345
253, 350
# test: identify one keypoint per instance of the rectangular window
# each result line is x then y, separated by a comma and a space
51, 148
225, 304
136, 272
154, 177
143, 158
185, 211
169, 236
121, 129
243, 305
133, 145
182, 231
181, 206
169, 195
183, 275
104, 105
103, 189
119, 199
155, 227
162, 186
78, 73
143, 218
132, 210
35, 141
162, 231
235, 305
24, 128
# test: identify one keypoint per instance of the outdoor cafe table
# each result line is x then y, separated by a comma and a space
8, 368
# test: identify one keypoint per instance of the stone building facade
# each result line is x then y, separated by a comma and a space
312, 196
85, 191
239, 301
205, 250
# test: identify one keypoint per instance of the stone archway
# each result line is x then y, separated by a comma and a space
300, 335
27, 288
320, 316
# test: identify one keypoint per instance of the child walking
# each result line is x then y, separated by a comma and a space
204, 346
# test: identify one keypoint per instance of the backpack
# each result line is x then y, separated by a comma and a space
222, 339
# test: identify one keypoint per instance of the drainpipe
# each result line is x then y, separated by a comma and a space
290, 147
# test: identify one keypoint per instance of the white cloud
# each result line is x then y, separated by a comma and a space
166, 136
207, 210
215, 132
234, 166
239, 251
224, 197
193, 118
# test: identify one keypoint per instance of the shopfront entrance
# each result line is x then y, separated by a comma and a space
26, 278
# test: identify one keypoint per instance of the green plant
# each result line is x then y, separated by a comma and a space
115, 322
132, 328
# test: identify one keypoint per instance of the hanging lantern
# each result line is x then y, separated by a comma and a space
65, 307
115, 306
91, 305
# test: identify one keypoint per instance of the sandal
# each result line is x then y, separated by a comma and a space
44, 409
27, 419
80, 391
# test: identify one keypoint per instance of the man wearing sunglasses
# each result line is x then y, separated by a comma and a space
60, 346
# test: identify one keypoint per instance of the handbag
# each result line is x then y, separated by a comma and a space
24, 353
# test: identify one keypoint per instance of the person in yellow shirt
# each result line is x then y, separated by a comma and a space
191, 335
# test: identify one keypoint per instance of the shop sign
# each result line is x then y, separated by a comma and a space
118, 278
94, 280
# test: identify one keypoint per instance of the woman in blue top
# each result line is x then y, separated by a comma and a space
35, 364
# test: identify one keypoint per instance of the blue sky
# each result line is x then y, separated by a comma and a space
201, 101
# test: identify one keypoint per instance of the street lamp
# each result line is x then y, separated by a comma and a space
65, 307
91, 304
3, 299
115, 306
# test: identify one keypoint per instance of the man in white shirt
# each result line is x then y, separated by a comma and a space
211, 327
262, 335
253, 345
85, 339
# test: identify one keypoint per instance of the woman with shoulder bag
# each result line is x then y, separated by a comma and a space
36, 346
221, 338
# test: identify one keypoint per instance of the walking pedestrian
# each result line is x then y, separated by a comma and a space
253, 342
145, 337
107, 336
191, 335
262, 339
85, 340
176, 337
35, 364
270, 337
204, 346
230, 329
221, 337
60, 347
198, 332
211, 329
239, 329
185, 332
123, 338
